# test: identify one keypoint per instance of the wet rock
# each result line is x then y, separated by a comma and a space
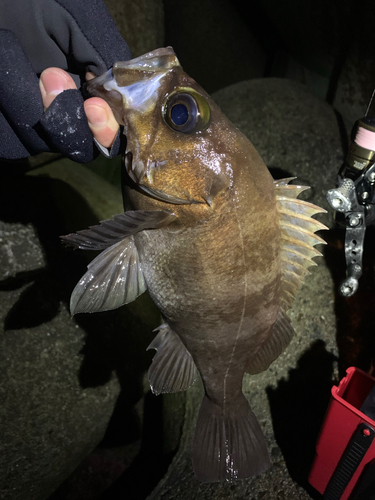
212, 42
295, 132
356, 83
58, 387
325, 45
140, 23
355, 64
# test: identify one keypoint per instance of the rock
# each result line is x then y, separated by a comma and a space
212, 42
57, 385
295, 132
325, 45
100, 199
140, 23
355, 65
356, 84
297, 135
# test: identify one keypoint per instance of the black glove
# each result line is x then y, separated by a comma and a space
74, 35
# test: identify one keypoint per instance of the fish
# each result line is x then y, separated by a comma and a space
221, 247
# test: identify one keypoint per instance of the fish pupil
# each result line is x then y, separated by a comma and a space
179, 114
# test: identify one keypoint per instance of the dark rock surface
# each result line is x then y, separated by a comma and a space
295, 132
57, 385
140, 23
212, 42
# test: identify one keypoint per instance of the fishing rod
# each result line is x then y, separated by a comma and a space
354, 197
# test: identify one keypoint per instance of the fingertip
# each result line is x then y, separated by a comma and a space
52, 82
89, 76
98, 101
101, 120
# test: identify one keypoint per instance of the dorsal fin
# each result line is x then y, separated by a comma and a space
297, 237
297, 250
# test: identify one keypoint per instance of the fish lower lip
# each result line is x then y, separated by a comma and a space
162, 196
136, 171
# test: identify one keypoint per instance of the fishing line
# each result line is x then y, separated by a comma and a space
369, 104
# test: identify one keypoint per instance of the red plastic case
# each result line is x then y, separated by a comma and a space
343, 421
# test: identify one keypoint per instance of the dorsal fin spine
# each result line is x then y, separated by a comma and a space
297, 237
298, 207
309, 237
301, 219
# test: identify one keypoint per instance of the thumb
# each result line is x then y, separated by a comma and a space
52, 82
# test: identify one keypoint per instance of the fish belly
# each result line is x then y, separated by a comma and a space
220, 307
208, 305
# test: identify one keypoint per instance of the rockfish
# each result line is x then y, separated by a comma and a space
221, 247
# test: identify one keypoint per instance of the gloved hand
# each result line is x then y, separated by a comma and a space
76, 36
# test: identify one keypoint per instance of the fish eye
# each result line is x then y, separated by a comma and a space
186, 111
179, 114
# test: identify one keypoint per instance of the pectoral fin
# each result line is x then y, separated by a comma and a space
172, 368
113, 278
121, 226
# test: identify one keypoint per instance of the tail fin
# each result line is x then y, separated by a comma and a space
228, 446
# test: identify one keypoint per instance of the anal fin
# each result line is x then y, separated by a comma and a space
228, 445
281, 335
172, 368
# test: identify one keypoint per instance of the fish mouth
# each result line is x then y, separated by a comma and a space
137, 172
162, 196
157, 60
135, 82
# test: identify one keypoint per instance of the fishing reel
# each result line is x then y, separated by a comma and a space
354, 199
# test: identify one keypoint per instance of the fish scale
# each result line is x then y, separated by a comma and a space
221, 247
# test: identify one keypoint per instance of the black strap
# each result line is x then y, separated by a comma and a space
349, 462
